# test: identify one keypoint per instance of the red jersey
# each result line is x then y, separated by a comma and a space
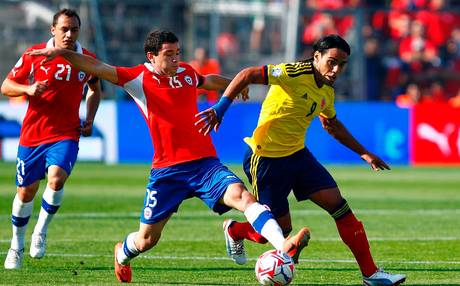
169, 105
54, 115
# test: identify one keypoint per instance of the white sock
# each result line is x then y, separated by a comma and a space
21, 213
51, 201
263, 222
129, 249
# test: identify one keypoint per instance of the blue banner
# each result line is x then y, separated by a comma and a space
381, 127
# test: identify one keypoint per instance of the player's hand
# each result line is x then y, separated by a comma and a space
208, 121
244, 94
87, 128
375, 162
49, 53
37, 88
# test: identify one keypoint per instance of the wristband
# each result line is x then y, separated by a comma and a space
222, 106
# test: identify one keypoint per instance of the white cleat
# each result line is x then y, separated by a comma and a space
235, 248
382, 278
38, 245
14, 259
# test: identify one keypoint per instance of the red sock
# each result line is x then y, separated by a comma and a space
244, 230
352, 233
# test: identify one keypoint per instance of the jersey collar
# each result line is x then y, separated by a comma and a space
150, 68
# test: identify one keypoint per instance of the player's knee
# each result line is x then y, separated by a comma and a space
237, 195
27, 194
56, 183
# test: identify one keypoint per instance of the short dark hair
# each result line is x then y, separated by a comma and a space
67, 12
156, 39
331, 42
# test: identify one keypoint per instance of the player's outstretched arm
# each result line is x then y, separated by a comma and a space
11, 88
211, 118
337, 130
82, 62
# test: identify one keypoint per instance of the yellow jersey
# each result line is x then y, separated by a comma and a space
292, 102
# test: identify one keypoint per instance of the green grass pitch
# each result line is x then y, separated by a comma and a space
411, 217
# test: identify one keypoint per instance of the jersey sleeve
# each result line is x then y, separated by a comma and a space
126, 74
284, 75
22, 69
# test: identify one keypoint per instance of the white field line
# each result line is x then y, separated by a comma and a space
155, 257
386, 212
322, 239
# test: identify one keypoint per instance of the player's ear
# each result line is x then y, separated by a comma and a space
150, 57
52, 29
316, 56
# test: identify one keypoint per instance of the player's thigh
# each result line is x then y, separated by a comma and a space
64, 155
310, 176
271, 180
328, 199
30, 165
238, 197
166, 190
218, 187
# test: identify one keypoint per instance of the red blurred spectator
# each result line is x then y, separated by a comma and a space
439, 24
412, 96
417, 50
455, 101
227, 44
407, 5
398, 24
205, 65
321, 24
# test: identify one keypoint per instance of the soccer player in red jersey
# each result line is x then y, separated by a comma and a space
277, 161
50, 131
184, 162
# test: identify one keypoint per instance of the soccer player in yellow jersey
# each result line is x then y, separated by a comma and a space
278, 161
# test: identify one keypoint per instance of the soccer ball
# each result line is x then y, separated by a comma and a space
274, 267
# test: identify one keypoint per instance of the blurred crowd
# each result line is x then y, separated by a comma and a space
411, 47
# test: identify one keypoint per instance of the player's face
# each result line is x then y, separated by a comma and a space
66, 32
167, 60
330, 64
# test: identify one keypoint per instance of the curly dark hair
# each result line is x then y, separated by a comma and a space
155, 40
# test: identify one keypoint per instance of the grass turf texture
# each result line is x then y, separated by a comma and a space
410, 215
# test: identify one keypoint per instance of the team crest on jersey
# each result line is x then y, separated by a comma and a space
147, 213
188, 79
276, 72
323, 103
81, 75
20, 179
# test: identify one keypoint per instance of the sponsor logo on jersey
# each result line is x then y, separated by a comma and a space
147, 213
276, 72
81, 75
45, 69
188, 79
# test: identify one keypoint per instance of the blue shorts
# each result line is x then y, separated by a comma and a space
274, 178
32, 162
206, 179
